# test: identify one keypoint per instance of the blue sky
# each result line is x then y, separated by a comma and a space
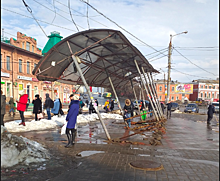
151, 21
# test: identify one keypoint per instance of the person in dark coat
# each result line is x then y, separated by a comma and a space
3, 104
162, 107
211, 110
150, 109
11, 103
112, 105
169, 105
87, 102
71, 118
60, 110
128, 110
91, 107
37, 106
47, 105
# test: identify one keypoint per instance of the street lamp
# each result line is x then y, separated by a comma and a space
169, 65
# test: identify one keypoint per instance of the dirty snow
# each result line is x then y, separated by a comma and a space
55, 121
20, 150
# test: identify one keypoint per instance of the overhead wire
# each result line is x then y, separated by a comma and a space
72, 16
193, 63
119, 26
87, 8
54, 11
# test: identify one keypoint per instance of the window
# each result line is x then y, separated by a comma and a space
172, 88
160, 97
172, 98
201, 94
210, 87
177, 98
201, 86
23, 45
8, 63
213, 95
206, 87
217, 96
209, 95
205, 95
28, 67
35, 65
160, 88
28, 46
20, 65
33, 48
213, 87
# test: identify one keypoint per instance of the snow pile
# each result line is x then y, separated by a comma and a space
20, 150
55, 121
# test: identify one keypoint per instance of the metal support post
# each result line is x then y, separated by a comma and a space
143, 98
87, 88
152, 95
146, 89
110, 80
152, 80
155, 93
135, 97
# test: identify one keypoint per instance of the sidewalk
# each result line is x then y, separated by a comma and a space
189, 151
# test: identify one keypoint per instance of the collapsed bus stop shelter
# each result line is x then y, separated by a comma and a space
99, 58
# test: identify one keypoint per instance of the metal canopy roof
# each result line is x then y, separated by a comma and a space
100, 50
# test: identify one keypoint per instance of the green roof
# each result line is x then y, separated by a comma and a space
54, 38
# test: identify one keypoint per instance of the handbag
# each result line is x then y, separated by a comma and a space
40, 116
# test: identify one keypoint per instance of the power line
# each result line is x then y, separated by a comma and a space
54, 11
71, 16
159, 58
87, 7
155, 52
194, 63
120, 26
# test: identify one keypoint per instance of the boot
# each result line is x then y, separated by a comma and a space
73, 136
69, 141
13, 114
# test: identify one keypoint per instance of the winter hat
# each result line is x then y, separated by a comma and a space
75, 97
127, 102
37, 95
21, 92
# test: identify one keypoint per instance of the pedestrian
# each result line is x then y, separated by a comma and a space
71, 118
11, 103
37, 109
22, 105
97, 103
162, 106
128, 110
169, 105
211, 110
150, 109
81, 104
106, 106
112, 105
91, 107
87, 102
56, 107
48, 105
61, 106
3, 104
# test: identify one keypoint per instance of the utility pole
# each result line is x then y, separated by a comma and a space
169, 66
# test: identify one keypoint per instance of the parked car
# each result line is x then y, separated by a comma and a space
192, 108
85, 96
139, 101
175, 106
216, 105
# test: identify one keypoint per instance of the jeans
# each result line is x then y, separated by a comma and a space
48, 114
22, 116
209, 118
168, 114
129, 120
11, 110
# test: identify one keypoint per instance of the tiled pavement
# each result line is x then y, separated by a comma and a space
189, 151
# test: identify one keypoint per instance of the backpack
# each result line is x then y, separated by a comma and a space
51, 103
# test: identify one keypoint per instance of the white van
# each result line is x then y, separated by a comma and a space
216, 105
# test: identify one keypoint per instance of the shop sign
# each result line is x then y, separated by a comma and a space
20, 87
47, 82
35, 80
184, 88
24, 78
56, 83
5, 74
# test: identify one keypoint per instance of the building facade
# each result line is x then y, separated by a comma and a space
207, 90
18, 59
161, 87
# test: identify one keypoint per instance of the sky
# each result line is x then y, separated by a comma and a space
195, 55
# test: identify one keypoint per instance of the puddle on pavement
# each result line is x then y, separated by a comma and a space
88, 153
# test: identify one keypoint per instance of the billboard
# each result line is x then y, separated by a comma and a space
184, 88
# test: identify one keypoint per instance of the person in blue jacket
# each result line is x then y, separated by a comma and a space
56, 107
71, 118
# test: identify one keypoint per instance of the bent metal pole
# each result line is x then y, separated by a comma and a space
87, 88
110, 80
146, 90
152, 94
155, 92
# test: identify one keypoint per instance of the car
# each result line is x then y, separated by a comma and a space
139, 101
175, 106
216, 105
192, 107
85, 96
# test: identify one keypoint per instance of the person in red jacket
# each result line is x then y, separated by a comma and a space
21, 107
